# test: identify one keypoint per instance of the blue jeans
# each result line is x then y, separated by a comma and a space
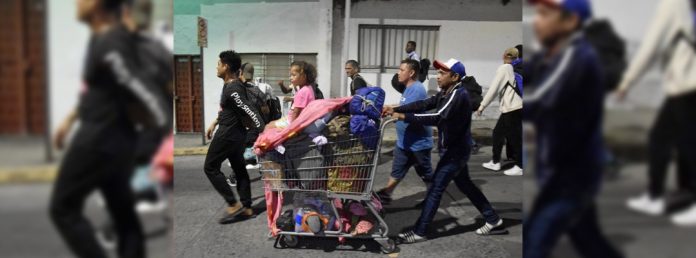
449, 169
404, 159
566, 204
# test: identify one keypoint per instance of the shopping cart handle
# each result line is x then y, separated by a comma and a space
385, 122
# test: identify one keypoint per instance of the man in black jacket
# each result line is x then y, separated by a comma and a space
453, 121
353, 71
235, 116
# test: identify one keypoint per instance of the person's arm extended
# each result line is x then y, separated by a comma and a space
283, 88
418, 106
500, 80
654, 37
64, 128
211, 128
452, 105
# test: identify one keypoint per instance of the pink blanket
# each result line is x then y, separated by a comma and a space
272, 137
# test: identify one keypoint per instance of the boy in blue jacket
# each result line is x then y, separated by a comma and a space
452, 117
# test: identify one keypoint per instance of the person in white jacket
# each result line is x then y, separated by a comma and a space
509, 125
670, 38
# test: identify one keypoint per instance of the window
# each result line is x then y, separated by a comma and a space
382, 46
271, 68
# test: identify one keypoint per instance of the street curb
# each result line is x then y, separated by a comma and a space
191, 151
38, 174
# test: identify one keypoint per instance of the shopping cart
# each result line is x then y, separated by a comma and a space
344, 170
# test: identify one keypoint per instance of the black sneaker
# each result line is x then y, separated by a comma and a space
475, 149
384, 197
231, 181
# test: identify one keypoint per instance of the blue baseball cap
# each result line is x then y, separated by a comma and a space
583, 8
453, 65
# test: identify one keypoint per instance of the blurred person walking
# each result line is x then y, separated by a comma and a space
353, 71
102, 154
158, 65
672, 35
414, 142
453, 120
509, 126
566, 110
231, 137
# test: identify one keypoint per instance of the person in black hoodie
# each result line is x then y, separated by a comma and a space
235, 116
453, 121
101, 155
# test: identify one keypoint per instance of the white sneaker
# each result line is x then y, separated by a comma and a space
647, 205
686, 217
514, 171
492, 166
250, 166
491, 229
150, 207
410, 237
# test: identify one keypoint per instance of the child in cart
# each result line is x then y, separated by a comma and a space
301, 73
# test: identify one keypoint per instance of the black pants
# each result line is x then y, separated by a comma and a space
674, 129
83, 170
508, 128
219, 150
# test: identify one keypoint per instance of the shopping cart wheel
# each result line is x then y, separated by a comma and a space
388, 246
291, 241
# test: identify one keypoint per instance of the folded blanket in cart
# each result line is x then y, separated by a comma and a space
272, 137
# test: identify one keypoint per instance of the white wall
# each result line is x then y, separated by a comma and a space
479, 45
67, 45
300, 27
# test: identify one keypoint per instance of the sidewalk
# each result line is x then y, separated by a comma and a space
626, 132
23, 160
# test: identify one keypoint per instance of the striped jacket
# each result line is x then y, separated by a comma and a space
452, 116
565, 105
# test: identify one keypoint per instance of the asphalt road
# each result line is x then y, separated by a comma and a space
28, 232
198, 206
636, 235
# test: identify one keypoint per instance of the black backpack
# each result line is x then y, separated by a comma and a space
475, 91
424, 67
399, 87
259, 100
610, 48
275, 108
